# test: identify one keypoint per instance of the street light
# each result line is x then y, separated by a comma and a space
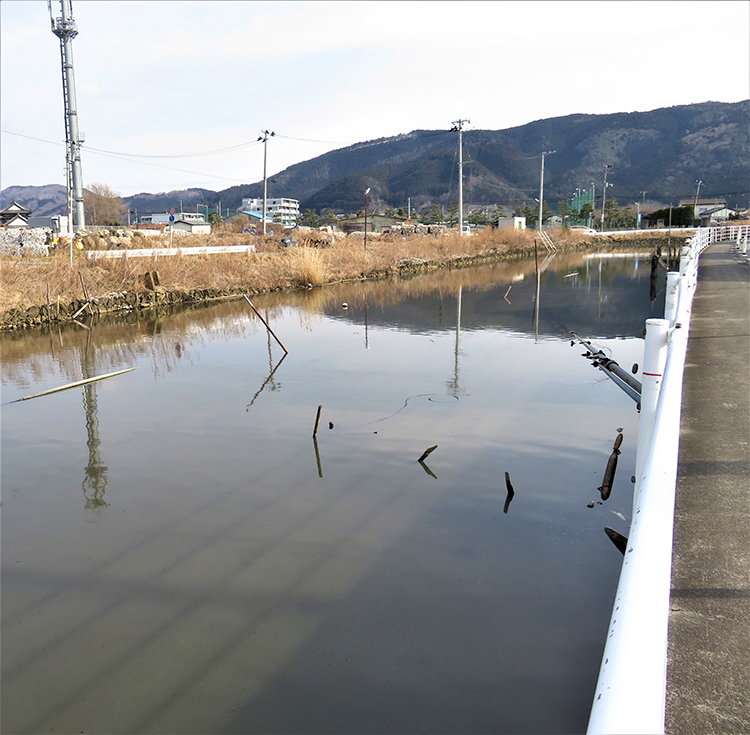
367, 191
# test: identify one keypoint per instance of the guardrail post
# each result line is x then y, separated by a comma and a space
670, 302
654, 359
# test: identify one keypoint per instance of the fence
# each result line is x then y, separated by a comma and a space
631, 691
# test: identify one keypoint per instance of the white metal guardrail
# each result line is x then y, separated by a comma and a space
631, 691
156, 252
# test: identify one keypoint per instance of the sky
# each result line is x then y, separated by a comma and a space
163, 88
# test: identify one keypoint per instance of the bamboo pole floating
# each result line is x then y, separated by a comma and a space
427, 453
73, 385
265, 323
317, 456
317, 422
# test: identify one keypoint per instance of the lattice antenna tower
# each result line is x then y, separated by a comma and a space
65, 29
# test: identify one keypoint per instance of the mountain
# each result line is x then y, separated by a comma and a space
662, 152
43, 201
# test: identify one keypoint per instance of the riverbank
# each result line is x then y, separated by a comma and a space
41, 290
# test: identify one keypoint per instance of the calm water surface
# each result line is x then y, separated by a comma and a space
180, 556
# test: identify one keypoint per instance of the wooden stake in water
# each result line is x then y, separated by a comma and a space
265, 323
72, 385
317, 422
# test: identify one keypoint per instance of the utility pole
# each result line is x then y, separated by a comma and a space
541, 188
604, 192
367, 191
695, 203
408, 208
458, 126
65, 29
264, 137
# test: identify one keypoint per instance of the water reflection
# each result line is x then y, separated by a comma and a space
94, 483
239, 588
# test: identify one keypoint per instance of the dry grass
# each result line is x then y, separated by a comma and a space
27, 282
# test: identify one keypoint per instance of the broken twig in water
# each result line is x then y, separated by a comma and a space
511, 492
427, 469
265, 323
317, 422
507, 292
609, 472
427, 453
73, 385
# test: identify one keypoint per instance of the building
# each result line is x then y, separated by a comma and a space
15, 215
510, 223
375, 223
163, 219
193, 227
282, 210
715, 214
701, 205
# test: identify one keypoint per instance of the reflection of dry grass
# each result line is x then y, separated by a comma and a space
25, 282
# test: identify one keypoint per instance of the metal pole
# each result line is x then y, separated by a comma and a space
654, 359
604, 193
65, 29
458, 126
367, 191
541, 188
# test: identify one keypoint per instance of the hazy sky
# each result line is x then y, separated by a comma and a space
175, 78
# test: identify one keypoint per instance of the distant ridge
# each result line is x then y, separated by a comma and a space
661, 152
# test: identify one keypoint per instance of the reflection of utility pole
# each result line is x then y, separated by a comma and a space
95, 479
454, 384
367, 339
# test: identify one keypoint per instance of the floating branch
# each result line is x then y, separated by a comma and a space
317, 422
73, 385
620, 541
427, 453
511, 492
609, 472
265, 323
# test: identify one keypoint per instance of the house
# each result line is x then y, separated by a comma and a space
701, 205
192, 227
281, 210
15, 215
375, 223
716, 214
256, 219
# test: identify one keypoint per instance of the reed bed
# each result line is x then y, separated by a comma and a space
26, 282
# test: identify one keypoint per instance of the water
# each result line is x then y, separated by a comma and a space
180, 556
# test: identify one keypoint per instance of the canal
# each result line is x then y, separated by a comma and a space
181, 555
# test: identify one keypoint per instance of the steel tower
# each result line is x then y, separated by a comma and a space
65, 29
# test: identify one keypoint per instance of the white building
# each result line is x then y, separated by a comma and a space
284, 210
163, 219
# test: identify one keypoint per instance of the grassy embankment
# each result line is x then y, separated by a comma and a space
30, 282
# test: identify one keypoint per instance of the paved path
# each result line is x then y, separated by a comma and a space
708, 670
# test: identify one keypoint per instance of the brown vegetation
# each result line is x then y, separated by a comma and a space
26, 282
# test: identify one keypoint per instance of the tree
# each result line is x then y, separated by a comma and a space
329, 217
565, 211
498, 213
309, 218
431, 214
452, 218
585, 212
478, 217
390, 211
214, 219
400, 212
102, 206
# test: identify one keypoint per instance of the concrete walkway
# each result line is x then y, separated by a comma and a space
708, 669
